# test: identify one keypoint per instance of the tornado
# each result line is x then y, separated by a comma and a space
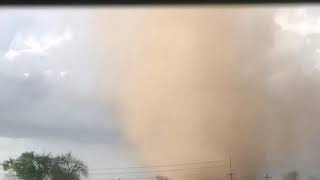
206, 83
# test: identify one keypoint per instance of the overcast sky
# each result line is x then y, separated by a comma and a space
47, 96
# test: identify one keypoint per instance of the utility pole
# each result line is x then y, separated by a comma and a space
230, 169
267, 177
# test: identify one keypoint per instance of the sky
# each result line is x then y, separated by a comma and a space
48, 101
96, 82
209, 82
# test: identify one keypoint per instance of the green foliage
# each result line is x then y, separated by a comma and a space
31, 166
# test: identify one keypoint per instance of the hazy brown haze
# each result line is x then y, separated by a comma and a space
204, 83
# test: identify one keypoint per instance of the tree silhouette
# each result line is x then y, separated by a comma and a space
31, 166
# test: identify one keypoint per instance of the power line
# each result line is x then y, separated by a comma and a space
154, 166
150, 177
170, 170
159, 166
215, 178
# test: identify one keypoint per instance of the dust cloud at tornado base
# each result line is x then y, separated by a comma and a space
204, 83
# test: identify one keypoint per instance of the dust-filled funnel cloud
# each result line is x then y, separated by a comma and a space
205, 83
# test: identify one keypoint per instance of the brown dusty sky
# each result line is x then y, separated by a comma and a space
203, 83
